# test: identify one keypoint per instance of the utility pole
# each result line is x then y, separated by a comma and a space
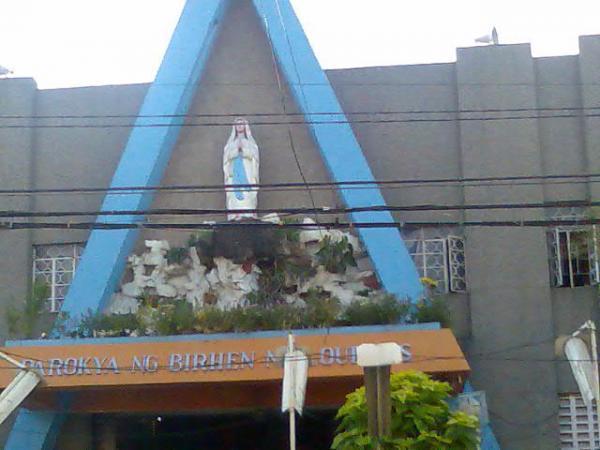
376, 361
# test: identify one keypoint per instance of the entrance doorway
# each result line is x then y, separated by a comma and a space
258, 430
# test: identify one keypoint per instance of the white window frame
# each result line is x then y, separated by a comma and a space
556, 264
451, 278
578, 423
54, 300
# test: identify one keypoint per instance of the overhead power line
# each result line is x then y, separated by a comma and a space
350, 184
291, 114
306, 211
258, 225
173, 123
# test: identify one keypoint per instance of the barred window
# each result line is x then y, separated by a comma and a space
574, 256
578, 424
441, 259
55, 265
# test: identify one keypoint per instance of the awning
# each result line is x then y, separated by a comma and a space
227, 371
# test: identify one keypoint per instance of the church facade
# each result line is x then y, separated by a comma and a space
515, 130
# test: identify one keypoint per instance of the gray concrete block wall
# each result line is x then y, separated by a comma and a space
508, 271
589, 62
17, 98
79, 157
561, 138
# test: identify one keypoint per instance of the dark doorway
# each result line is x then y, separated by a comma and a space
259, 430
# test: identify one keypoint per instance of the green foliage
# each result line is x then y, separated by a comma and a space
253, 318
433, 310
289, 234
175, 317
176, 255
421, 418
271, 284
108, 324
24, 321
336, 256
321, 310
376, 310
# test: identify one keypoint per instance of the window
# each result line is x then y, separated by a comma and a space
578, 424
55, 265
439, 258
574, 256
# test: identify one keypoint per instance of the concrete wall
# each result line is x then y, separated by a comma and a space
510, 309
17, 165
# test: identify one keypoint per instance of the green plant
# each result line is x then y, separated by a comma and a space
433, 310
108, 324
289, 234
322, 310
25, 321
421, 418
271, 284
176, 255
378, 309
175, 317
336, 256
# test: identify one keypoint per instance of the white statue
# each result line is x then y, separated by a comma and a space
240, 166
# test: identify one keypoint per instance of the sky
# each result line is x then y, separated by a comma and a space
64, 43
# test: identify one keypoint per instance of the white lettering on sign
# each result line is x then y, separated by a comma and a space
188, 362
57, 367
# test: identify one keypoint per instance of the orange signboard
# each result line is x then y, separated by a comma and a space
160, 362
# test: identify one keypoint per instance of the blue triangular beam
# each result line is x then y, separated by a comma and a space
148, 151
339, 148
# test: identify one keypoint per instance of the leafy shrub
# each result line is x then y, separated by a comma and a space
421, 418
322, 310
377, 310
25, 320
433, 310
336, 256
176, 255
175, 317
110, 325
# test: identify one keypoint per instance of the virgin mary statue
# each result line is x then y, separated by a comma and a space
240, 166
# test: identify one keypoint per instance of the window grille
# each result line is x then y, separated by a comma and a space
55, 265
442, 260
456, 262
578, 424
574, 256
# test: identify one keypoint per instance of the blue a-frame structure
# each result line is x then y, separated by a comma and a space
148, 151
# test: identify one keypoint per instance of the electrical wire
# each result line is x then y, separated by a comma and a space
284, 107
267, 225
293, 114
323, 210
349, 184
295, 122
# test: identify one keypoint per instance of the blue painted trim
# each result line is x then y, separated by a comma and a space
340, 149
488, 439
34, 429
227, 336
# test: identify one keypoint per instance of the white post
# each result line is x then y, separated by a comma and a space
292, 409
20, 387
592, 326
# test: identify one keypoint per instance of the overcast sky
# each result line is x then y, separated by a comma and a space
88, 42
